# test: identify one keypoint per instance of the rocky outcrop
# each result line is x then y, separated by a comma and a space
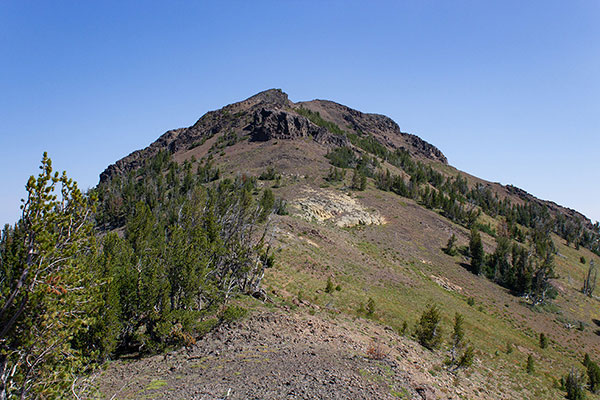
383, 128
270, 115
270, 124
424, 148
338, 208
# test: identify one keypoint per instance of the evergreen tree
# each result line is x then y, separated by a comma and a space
450, 248
359, 180
457, 338
370, 307
530, 368
476, 250
329, 288
589, 283
429, 333
266, 202
573, 385
50, 292
593, 373
543, 340
466, 359
543, 263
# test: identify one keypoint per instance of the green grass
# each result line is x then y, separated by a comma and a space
156, 384
304, 269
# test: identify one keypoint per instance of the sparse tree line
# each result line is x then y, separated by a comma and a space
430, 335
576, 382
524, 257
75, 292
524, 269
452, 197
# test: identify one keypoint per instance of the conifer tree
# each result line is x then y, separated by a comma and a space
49, 291
573, 384
530, 368
593, 373
450, 248
429, 333
543, 340
458, 335
476, 250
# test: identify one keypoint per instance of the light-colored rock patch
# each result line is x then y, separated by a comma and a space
329, 206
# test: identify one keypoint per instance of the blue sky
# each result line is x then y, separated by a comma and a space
508, 90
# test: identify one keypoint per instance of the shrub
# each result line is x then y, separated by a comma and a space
329, 287
471, 301
269, 174
530, 368
543, 341
593, 372
573, 385
375, 351
206, 326
429, 333
370, 309
233, 313
466, 360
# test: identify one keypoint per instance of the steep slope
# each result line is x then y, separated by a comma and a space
271, 115
373, 244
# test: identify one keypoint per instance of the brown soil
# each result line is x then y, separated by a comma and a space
274, 355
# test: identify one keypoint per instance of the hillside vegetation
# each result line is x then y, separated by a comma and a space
429, 282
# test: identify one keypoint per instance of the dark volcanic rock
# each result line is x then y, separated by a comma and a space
270, 115
277, 124
383, 128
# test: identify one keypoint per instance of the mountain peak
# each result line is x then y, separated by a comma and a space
271, 96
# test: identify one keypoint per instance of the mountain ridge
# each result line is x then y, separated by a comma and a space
366, 229
281, 108
271, 115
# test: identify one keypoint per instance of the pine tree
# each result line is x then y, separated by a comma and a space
593, 372
530, 368
266, 202
457, 338
476, 250
329, 288
370, 307
450, 248
466, 359
573, 384
51, 289
543, 340
589, 283
359, 180
429, 333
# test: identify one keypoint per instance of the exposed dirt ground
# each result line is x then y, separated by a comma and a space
274, 355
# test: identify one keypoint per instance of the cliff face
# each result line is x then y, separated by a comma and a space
271, 115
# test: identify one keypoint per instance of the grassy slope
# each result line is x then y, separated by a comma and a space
400, 265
